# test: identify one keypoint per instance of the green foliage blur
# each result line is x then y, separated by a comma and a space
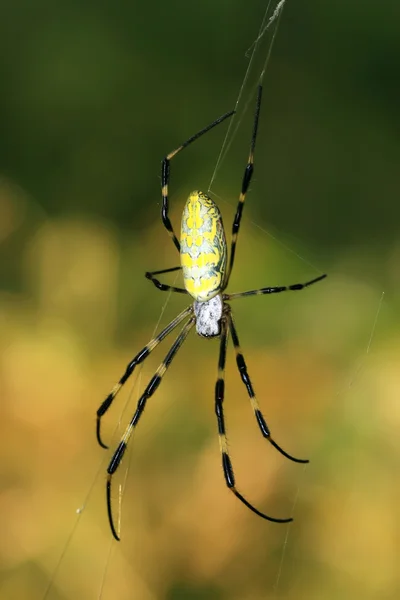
93, 95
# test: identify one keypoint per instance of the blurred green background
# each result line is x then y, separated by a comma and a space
93, 95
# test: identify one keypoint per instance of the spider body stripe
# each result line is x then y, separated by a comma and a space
206, 274
203, 247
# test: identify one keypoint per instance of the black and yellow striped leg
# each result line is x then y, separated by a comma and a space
274, 290
219, 398
163, 286
140, 357
149, 391
165, 175
254, 403
248, 173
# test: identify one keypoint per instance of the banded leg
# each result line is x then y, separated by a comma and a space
149, 391
248, 173
163, 286
165, 175
254, 403
131, 367
274, 290
219, 398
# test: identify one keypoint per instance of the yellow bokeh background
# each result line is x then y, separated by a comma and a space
92, 101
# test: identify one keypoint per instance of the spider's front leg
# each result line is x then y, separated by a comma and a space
165, 175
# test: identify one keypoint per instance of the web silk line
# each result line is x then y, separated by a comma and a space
265, 25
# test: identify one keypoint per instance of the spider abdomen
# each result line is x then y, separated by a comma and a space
203, 247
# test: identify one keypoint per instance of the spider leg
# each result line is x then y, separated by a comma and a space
140, 357
257, 412
248, 173
219, 398
165, 175
163, 286
149, 391
274, 290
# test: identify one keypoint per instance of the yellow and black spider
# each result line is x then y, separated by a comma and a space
203, 254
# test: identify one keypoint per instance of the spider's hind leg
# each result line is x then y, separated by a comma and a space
139, 358
256, 408
219, 398
148, 392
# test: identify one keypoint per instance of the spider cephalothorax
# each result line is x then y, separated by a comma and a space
208, 316
206, 274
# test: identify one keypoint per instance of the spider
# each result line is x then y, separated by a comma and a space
206, 273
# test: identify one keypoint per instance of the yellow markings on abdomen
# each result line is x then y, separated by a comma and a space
203, 247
